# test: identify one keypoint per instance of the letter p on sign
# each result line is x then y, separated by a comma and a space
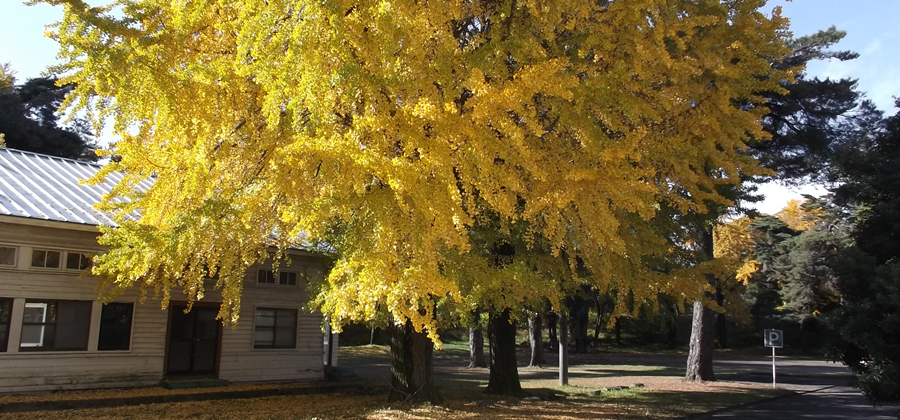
774, 338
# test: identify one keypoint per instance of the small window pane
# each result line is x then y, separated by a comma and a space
52, 259
263, 337
284, 337
265, 317
115, 326
35, 313
7, 256
72, 260
77, 261
287, 278
32, 336
286, 317
38, 258
46, 259
265, 277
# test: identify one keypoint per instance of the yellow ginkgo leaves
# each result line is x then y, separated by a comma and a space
393, 129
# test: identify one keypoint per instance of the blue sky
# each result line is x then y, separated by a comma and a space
871, 25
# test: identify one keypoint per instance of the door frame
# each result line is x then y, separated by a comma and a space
172, 305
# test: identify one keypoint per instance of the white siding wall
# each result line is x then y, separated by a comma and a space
143, 364
241, 362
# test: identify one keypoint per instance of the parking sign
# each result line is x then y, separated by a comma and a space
774, 338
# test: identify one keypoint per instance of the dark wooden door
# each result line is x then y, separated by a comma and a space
193, 341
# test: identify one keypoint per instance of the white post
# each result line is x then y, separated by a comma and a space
773, 367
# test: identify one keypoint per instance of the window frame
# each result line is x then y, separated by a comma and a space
270, 274
46, 252
46, 304
43, 324
274, 328
282, 279
129, 329
15, 261
82, 256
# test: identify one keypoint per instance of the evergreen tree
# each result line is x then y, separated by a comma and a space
29, 119
868, 320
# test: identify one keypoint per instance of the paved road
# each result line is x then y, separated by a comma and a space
824, 387
837, 402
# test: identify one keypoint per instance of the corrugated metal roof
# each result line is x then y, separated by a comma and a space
45, 187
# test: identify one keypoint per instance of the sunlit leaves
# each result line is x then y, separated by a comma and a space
396, 129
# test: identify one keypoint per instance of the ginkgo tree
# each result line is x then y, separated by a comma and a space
400, 126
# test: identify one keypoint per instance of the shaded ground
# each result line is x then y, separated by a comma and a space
832, 403
662, 395
611, 368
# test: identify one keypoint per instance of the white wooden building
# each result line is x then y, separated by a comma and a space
55, 334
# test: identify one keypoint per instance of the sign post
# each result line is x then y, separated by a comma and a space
773, 339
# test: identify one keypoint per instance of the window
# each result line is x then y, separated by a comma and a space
45, 259
55, 325
7, 256
275, 328
265, 277
115, 326
5, 311
78, 261
285, 278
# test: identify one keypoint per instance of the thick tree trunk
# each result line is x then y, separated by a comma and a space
476, 347
552, 318
579, 315
700, 355
699, 362
504, 375
536, 342
412, 375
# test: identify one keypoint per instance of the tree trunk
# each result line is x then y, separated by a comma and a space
504, 376
580, 326
700, 355
618, 331
551, 330
699, 362
601, 308
372, 334
412, 375
536, 342
476, 347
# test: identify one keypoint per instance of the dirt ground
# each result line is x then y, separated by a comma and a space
655, 391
